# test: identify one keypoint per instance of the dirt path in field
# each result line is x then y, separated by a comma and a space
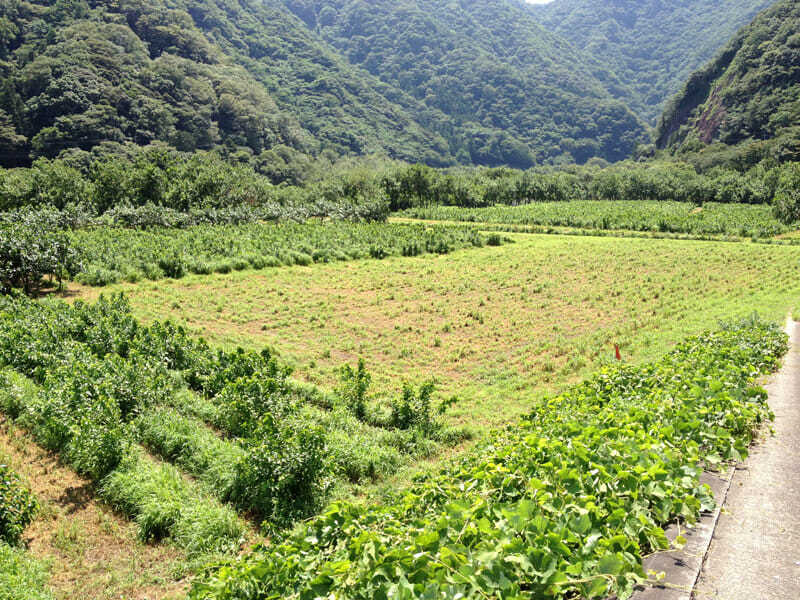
755, 551
93, 552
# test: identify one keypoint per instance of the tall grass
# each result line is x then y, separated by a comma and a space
188, 443
21, 576
165, 504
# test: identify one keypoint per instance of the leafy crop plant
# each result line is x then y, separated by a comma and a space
562, 505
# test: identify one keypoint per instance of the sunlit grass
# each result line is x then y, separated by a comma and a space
498, 326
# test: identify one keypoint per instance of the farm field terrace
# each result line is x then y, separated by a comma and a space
497, 326
712, 219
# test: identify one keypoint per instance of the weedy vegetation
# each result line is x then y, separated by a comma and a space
513, 322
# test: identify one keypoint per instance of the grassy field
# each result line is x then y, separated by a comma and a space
498, 326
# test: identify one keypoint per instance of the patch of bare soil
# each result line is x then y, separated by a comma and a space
93, 552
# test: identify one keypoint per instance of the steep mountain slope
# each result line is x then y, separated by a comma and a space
473, 81
751, 91
497, 85
345, 109
653, 46
76, 75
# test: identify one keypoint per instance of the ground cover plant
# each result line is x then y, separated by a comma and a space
561, 505
21, 576
109, 255
495, 326
709, 220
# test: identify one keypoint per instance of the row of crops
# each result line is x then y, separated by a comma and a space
563, 504
136, 408
21, 576
711, 219
109, 255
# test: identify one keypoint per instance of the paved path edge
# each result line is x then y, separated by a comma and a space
682, 569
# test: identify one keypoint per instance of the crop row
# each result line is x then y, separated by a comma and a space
109, 255
90, 382
21, 576
712, 219
562, 505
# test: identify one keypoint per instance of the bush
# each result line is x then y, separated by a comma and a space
172, 265
282, 478
786, 205
415, 410
246, 401
16, 393
17, 506
352, 391
31, 250
98, 277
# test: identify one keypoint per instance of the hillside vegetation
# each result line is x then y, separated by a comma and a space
482, 83
749, 96
286, 81
78, 74
651, 46
498, 86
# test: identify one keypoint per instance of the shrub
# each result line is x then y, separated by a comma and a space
787, 196
230, 366
247, 400
16, 393
31, 250
98, 276
352, 391
172, 265
17, 506
415, 410
282, 478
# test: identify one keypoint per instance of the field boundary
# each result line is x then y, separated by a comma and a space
682, 569
488, 227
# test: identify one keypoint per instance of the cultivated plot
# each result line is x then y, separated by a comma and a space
498, 326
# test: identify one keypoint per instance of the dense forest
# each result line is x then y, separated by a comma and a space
745, 103
291, 87
76, 75
498, 86
651, 46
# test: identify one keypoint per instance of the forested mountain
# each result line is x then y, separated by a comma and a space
495, 83
281, 81
652, 45
192, 74
749, 93
475, 81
